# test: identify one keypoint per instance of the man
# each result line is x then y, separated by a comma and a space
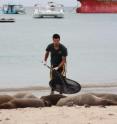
58, 56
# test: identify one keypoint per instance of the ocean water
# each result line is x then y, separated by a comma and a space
91, 40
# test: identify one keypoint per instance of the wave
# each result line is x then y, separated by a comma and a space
34, 88
98, 85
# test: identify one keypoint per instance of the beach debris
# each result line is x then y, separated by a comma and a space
46, 123
110, 114
7, 118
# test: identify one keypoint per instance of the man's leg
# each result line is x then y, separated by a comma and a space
51, 77
52, 92
62, 71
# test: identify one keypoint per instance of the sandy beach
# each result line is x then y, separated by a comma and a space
60, 115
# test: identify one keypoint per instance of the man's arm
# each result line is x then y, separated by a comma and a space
65, 53
46, 56
62, 62
48, 49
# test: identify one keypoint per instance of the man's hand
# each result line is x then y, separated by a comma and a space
44, 62
56, 68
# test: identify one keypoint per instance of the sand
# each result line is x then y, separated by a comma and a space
60, 115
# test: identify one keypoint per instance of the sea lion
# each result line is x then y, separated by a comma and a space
52, 99
7, 105
22, 103
108, 96
85, 99
24, 95
5, 98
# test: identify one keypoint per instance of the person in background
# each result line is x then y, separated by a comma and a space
58, 53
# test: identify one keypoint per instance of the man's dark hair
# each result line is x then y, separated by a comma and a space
56, 36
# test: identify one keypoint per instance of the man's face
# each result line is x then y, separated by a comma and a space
56, 41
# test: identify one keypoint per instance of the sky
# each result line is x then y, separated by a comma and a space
32, 2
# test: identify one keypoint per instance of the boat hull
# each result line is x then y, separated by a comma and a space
41, 14
97, 6
9, 20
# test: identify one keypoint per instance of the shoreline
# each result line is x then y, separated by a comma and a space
43, 88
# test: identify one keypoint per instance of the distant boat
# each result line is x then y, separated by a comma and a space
50, 10
97, 6
7, 20
13, 9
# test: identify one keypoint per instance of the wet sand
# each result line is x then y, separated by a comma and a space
42, 90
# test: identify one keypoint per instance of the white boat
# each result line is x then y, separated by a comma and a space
13, 9
6, 20
50, 10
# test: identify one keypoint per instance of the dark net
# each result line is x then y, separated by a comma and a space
60, 83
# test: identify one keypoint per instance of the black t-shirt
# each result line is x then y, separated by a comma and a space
56, 55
